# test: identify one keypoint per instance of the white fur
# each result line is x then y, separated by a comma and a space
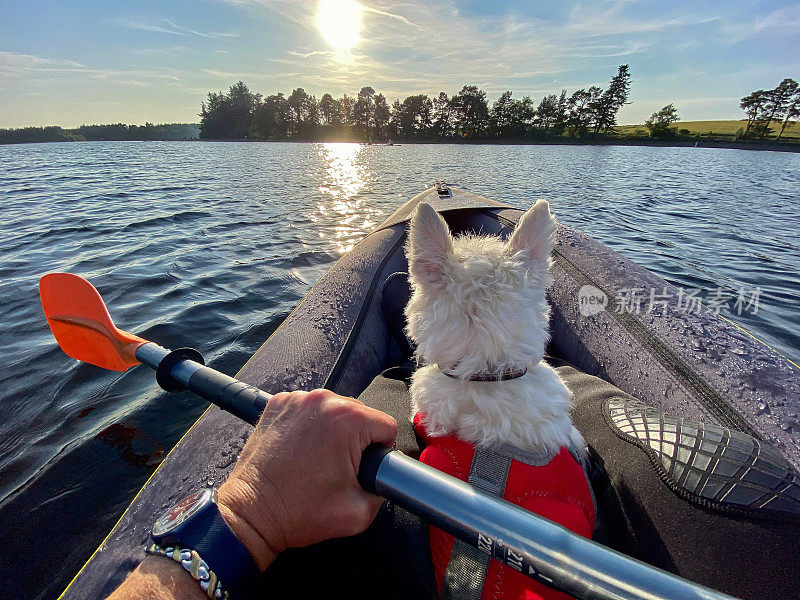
478, 305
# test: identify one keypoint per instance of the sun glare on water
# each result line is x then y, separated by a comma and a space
339, 22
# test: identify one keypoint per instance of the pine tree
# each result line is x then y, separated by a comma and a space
612, 99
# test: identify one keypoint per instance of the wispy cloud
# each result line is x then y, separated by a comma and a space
611, 18
169, 27
167, 51
231, 76
142, 26
391, 15
310, 54
227, 75
13, 64
781, 21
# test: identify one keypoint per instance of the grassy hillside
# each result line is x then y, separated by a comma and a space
714, 127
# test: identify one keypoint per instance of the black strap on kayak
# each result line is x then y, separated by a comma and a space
352, 338
466, 570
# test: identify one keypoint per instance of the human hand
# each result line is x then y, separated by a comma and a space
295, 482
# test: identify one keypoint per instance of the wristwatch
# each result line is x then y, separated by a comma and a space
194, 533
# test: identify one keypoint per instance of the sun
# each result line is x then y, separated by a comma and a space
339, 22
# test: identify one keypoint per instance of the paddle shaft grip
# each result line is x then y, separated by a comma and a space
236, 397
177, 371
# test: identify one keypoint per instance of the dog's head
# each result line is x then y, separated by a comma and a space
478, 303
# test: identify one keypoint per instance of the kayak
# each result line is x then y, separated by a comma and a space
692, 364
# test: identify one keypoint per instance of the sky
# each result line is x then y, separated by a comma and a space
66, 62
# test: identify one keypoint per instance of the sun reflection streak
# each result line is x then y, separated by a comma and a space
343, 216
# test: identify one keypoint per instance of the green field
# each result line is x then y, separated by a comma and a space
715, 128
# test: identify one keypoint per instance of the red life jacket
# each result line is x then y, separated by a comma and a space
558, 490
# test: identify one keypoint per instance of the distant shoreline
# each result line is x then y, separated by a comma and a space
618, 141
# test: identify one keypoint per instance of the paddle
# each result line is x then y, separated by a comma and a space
541, 549
83, 328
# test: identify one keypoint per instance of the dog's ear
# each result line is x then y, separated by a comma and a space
429, 245
535, 234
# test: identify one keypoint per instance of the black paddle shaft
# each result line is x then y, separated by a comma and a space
183, 368
533, 545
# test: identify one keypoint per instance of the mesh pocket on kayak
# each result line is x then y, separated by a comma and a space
713, 466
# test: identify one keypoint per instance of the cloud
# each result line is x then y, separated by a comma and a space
14, 64
167, 51
442, 49
228, 75
781, 21
310, 54
391, 15
213, 35
609, 20
439, 46
141, 26
231, 76
419, 46
169, 27
592, 50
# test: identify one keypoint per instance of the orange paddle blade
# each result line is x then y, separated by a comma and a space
82, 326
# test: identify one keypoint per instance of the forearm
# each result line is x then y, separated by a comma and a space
159, 578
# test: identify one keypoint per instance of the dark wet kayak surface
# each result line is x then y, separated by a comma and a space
212, 244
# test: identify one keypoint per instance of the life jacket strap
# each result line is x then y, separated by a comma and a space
467, 567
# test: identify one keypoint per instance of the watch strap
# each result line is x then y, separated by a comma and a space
227, 556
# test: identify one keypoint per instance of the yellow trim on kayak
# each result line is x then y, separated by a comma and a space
122, 516
747, 333
760, 341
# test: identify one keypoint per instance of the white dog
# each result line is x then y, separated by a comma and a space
479, 316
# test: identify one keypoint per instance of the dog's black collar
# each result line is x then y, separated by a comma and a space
504, 375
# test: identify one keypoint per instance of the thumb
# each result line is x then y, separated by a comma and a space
379, 428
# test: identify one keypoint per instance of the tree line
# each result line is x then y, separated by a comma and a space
367, 116
763, 107
115, 131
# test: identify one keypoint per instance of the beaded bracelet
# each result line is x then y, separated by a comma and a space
195, 566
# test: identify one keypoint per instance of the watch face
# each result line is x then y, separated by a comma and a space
182, 511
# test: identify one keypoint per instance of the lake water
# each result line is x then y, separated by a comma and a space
212, 244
